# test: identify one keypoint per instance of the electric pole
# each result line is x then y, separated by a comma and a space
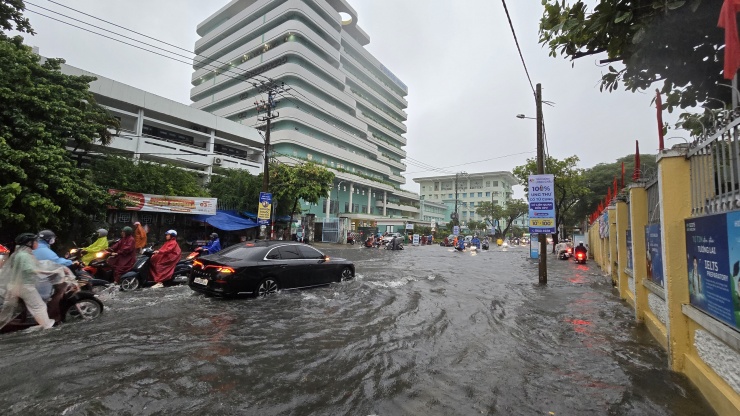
541, 171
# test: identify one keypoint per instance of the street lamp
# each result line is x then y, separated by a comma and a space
523, 116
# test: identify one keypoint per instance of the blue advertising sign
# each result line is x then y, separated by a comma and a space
541, 195
654, 254
708, 255
264, 210
733, 242
628, 236
456, 230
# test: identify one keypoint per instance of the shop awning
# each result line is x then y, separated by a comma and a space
227, 221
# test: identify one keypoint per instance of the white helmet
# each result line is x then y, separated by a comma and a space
172, 233
102, 232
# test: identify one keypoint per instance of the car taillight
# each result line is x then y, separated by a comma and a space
225, 270
196, 263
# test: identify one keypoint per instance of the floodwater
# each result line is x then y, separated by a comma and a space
424, 331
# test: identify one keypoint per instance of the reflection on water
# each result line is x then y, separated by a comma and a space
425, 330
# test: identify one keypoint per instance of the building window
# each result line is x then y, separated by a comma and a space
495, 202
465, 195
422, 197
488, 184
364, 208
472, 204
480, 194
472, 213
423, 188
495, 184
449, 196
488, 194
346, 207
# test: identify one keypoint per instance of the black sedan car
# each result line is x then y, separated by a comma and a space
262, 268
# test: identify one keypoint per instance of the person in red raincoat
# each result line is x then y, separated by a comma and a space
123, 254
164, 260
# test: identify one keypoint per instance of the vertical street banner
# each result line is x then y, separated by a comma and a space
628, 236
712, 247
541, 193
456, 230
264, 210
654, 254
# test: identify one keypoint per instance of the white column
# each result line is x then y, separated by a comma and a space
369, 200
351, 193
139, 133
211, 149
328, 205
385, 203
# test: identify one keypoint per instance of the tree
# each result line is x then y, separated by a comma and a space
491, 212
307, 181
514, 210
236, 189
146, 177
676, 42
569, 188
11, 17
40, 110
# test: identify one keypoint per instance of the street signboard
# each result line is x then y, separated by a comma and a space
542, 204
456, 230
409, 226
265, 208
415, 241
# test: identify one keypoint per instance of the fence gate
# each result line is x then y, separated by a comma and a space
330, 231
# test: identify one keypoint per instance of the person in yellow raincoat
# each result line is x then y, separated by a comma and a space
99, 245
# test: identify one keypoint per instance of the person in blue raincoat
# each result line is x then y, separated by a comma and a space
475, 242
461, 244
213, 246
44, 251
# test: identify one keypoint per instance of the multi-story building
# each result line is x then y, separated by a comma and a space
343, 109
468, 190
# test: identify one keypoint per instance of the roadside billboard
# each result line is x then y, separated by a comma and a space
654, 254
264, 210
541, 195
168, 204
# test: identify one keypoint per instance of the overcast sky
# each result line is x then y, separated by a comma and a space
458, 58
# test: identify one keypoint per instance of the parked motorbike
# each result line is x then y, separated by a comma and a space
66, 304
139, 276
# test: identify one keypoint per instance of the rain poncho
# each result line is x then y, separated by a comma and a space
21, 272
213, 247
140, 237
99, 245
163, 263
126, 257
44, 252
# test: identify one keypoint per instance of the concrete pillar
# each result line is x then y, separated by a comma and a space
639, 219
369, 200
622, 227
385, 203
674, 180
351, 194
139, 133
612, 265
211, 150
327, 212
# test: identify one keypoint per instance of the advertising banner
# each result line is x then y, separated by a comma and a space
654, 254
168, 204
541, 194
415, 241
264, 211
456, 230
628, 236
712, 275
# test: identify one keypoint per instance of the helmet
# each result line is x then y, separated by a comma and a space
128, 230
25, 238
171, 232
214, 236
47, 235
102, 232
137, 223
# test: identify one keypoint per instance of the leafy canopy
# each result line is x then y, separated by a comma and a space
307, 181
236, 189
146, 177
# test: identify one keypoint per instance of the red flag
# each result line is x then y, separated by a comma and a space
622, 175
616, 190
636, 173
727, 21
659, 109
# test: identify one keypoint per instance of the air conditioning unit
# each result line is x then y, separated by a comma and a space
217, 161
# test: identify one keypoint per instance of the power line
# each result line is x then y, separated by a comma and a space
516, 40
479, 161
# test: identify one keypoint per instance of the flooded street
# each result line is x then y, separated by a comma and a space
424, 331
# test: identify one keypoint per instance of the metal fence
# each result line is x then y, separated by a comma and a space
330, 230
653, 201
714, 171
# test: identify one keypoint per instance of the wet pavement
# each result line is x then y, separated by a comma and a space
424, 331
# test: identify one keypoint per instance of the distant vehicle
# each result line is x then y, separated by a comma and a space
262, 268
389, 237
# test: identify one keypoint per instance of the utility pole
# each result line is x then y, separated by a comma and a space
457, 178
540, 171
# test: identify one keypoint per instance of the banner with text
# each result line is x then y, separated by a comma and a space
541, 192
713, 255
654, 254
169, 204
264, 210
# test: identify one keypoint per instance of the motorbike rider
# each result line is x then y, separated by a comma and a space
165, 259
18, 280
213, 246
123, 254
580, 249
99, 245
475, 241
461, 244
44, 252
139, 237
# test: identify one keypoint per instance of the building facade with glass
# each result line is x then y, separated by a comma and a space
343, 109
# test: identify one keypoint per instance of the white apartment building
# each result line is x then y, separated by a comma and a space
157, 129
344, 110
469, 190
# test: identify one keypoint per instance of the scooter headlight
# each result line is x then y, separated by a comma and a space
99, 254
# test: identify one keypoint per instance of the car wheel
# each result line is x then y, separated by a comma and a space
83, 309
346, 274
129, 284
267, 287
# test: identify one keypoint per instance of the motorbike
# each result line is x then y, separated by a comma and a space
66, 304
85, 274
565, 254
350, 240
580, 257
485, 245
394, 244
4, 254
139, 276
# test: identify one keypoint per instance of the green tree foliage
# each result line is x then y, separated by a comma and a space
676, 42
236, 189
307, 181
11, 17
569, 187
150, 178
491, 212
42, 109
514, 210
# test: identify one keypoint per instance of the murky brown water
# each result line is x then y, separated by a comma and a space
424, 331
